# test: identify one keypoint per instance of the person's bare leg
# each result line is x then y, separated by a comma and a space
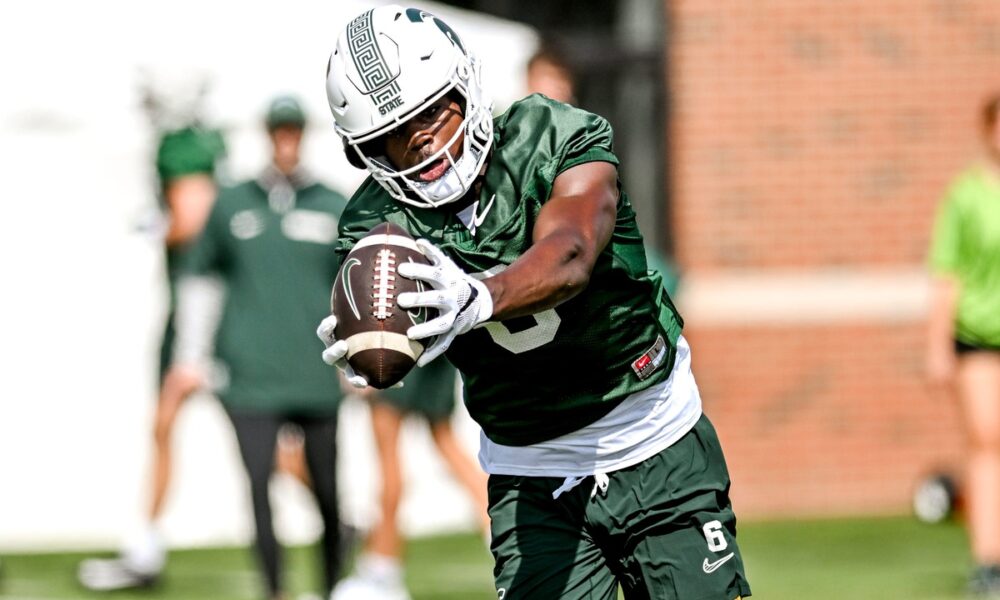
378, 570
463, 467
385, 539
163, 428
178, 384
979, 391
146, 548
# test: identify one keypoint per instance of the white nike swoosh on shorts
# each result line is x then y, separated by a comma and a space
711, 567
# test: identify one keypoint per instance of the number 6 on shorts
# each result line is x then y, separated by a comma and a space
714, 536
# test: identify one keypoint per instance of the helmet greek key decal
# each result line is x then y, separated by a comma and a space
378, 81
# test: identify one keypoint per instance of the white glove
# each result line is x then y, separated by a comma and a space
463, 301
336, 352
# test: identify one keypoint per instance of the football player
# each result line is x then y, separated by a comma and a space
604, 472
187, 159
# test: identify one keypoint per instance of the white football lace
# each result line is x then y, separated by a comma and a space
385, 284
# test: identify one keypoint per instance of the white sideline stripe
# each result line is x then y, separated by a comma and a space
784, 297
390, 240
372, 340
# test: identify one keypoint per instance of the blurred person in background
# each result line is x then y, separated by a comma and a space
189, 163
549, 73
429, 394
964, 336
270, 241
604, 472
188, 157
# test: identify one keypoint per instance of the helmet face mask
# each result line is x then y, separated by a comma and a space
391, 64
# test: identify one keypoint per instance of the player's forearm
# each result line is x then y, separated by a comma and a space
554, 270
190, 200
571, 231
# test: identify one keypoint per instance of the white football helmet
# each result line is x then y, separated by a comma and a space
390, 63
174, 96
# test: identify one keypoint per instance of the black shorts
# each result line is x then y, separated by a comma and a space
965, 347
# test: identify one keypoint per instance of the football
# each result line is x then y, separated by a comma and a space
364, 302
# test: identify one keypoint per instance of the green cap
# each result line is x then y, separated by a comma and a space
285, 110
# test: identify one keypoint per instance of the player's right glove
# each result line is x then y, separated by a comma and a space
462, 301
336, 352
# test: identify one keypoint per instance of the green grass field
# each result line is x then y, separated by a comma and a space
881, 559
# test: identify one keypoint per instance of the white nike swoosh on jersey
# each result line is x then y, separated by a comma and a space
478, 218
711, 567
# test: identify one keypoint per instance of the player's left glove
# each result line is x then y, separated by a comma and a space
335, 354
463, 300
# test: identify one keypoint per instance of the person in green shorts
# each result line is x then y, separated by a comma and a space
270, 240
964, 335
429, 394
604, 474
188, 155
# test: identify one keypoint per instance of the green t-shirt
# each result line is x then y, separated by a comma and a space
535, 378
966, 245
278, 266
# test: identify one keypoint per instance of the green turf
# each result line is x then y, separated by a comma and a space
858, 559
816, 560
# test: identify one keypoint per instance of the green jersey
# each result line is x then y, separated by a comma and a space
271, 242
180, 153
535, 378
966, 245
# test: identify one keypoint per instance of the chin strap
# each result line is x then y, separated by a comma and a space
450, 185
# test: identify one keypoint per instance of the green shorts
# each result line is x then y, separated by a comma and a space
662, 529
427, 391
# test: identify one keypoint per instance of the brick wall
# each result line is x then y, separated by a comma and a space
814, 422
816, 136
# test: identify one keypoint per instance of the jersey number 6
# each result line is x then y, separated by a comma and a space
544, 331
